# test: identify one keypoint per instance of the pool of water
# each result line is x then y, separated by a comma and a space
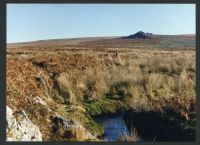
114, 126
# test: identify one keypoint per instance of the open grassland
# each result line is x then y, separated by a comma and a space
81, 83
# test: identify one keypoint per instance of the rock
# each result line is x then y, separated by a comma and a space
21, 128
37, 99
39, 78
140, 35
71, 125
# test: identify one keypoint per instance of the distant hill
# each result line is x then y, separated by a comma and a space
136, 40
147, 40
55, 42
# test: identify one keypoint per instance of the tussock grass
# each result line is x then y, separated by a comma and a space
139, 79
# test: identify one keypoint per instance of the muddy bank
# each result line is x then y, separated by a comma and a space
155, 126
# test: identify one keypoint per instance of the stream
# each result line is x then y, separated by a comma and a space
114, 126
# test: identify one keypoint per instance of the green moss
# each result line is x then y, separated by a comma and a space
106, 105
94, 128
88, 123
81, 116
96, 108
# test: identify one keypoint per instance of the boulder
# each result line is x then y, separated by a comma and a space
21, 128
70, 125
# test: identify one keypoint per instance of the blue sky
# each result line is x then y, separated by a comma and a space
29, 22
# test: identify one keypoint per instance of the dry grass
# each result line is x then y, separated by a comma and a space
78, 133
130, 137
147, 80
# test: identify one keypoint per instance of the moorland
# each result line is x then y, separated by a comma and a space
62, 85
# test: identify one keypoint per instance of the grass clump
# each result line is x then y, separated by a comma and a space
133, 136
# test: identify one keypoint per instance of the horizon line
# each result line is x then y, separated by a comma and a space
60, 38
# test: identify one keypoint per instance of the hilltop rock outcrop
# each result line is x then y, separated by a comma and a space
139, 35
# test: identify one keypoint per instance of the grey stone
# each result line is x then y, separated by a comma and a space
22, 128
37, 99
68, 124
